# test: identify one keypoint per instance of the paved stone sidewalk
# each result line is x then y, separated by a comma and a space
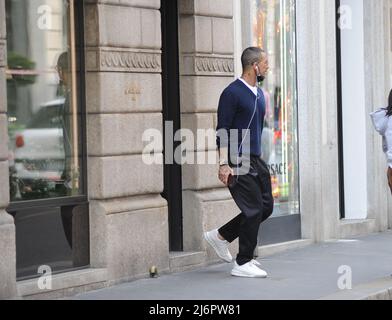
306, 273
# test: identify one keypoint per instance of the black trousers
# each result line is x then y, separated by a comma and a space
253, 195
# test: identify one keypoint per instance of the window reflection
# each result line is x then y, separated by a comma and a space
44, 122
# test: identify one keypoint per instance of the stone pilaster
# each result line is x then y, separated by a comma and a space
206, 68
377, 25
318, 151
317, 116
128, 217
7, 226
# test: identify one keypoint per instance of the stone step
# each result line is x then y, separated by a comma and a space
271, 249
380, 289
185, 261
64, 284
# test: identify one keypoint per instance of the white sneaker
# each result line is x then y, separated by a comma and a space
256, 263
248, 270
220, 246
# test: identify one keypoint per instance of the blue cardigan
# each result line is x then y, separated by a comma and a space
236, 107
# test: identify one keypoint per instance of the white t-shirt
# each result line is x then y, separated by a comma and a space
253, 89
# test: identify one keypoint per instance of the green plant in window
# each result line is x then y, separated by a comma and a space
21, 69
14, 127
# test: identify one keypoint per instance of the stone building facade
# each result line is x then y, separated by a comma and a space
128, 214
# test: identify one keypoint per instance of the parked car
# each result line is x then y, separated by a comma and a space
38, 153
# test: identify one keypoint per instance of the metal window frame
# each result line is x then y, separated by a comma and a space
342, 206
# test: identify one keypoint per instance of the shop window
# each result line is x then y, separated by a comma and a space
271, 25
45, 139
45, 116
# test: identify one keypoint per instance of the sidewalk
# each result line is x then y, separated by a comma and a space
306, 273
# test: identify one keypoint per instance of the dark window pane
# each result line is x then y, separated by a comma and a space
53, 236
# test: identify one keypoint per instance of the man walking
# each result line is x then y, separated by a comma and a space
242, 108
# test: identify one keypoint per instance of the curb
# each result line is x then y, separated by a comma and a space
380, 289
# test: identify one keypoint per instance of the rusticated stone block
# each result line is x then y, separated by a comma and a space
216, 8
3, 137
195, 34
3, 53
3, 91
201, 94
152, 4
122, 176
2, 20
122, 26
8, 256
129, 235
123, 92
203, 128
201, 176
121, 134
4, 185
222, 36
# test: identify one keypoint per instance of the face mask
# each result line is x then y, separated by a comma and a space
260, 78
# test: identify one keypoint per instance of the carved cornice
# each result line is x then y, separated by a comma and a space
208, 65
122, 60
3, 54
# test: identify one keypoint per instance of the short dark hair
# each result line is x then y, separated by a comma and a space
62, 61
389, 108
250, 56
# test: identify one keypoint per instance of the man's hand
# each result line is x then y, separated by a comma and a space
224, 173
389, 175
